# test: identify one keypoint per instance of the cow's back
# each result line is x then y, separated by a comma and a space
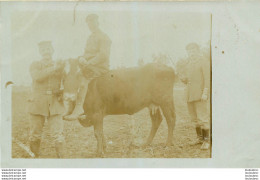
126, 91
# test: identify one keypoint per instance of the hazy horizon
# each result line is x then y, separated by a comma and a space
134, 35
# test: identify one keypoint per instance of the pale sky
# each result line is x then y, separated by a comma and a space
134, 35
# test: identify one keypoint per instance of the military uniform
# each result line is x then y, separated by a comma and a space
45, 102
97, 50
198, 79
93, 63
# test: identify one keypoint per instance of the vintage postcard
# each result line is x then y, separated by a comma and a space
95, 82
134, 78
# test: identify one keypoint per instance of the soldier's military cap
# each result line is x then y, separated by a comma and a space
91, 17
44, 44
192, 45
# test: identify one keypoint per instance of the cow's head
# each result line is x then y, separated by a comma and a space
71, 83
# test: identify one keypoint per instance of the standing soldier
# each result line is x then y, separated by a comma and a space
198, 88
46, 99
93, 63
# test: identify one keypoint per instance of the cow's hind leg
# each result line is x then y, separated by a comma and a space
98, 130
169, 114
156, 121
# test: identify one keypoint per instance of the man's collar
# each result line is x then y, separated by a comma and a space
97, 31
47, 61
195, 60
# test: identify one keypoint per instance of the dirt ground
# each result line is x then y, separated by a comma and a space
124, 134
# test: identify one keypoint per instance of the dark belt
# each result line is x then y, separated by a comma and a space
49, 92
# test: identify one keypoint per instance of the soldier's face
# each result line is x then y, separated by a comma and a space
193, 52
92, 25
46, 52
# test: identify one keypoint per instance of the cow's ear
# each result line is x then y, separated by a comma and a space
77, 60
67, 66
79, 73
70, 60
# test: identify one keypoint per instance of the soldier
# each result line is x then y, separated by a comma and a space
93, 63
46, 99
198, 90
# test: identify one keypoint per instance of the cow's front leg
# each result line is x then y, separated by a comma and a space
104, 144
156, 118
98, 130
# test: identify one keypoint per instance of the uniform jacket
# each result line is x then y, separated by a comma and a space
98, 48
46, 83
197, 78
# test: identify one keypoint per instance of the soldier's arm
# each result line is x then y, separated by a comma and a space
183, 75
206, 73
103, 53
39, 74
183, 79
181, 68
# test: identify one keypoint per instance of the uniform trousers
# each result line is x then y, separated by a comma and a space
200, 113
55, 124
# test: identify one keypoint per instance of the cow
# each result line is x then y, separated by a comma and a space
125, 91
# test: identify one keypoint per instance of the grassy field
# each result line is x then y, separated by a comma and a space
124, 134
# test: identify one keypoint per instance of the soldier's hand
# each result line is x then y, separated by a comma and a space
204, 97
59, 65
61, 62
50, 70
183, 80
82, 61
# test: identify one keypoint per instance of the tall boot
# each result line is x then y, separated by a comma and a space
35, 147
59, 147
199, 138
206, 139
78, 110
199, 133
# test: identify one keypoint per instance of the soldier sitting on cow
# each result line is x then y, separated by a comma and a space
125, 91
46, 101
93, 63
116, 92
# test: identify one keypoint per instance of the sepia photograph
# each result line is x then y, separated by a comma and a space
111, 84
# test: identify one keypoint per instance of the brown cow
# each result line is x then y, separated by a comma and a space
127, 91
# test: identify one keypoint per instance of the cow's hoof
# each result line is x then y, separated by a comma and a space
132, 145
169, 144
104, 149
100, 155
145, 145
